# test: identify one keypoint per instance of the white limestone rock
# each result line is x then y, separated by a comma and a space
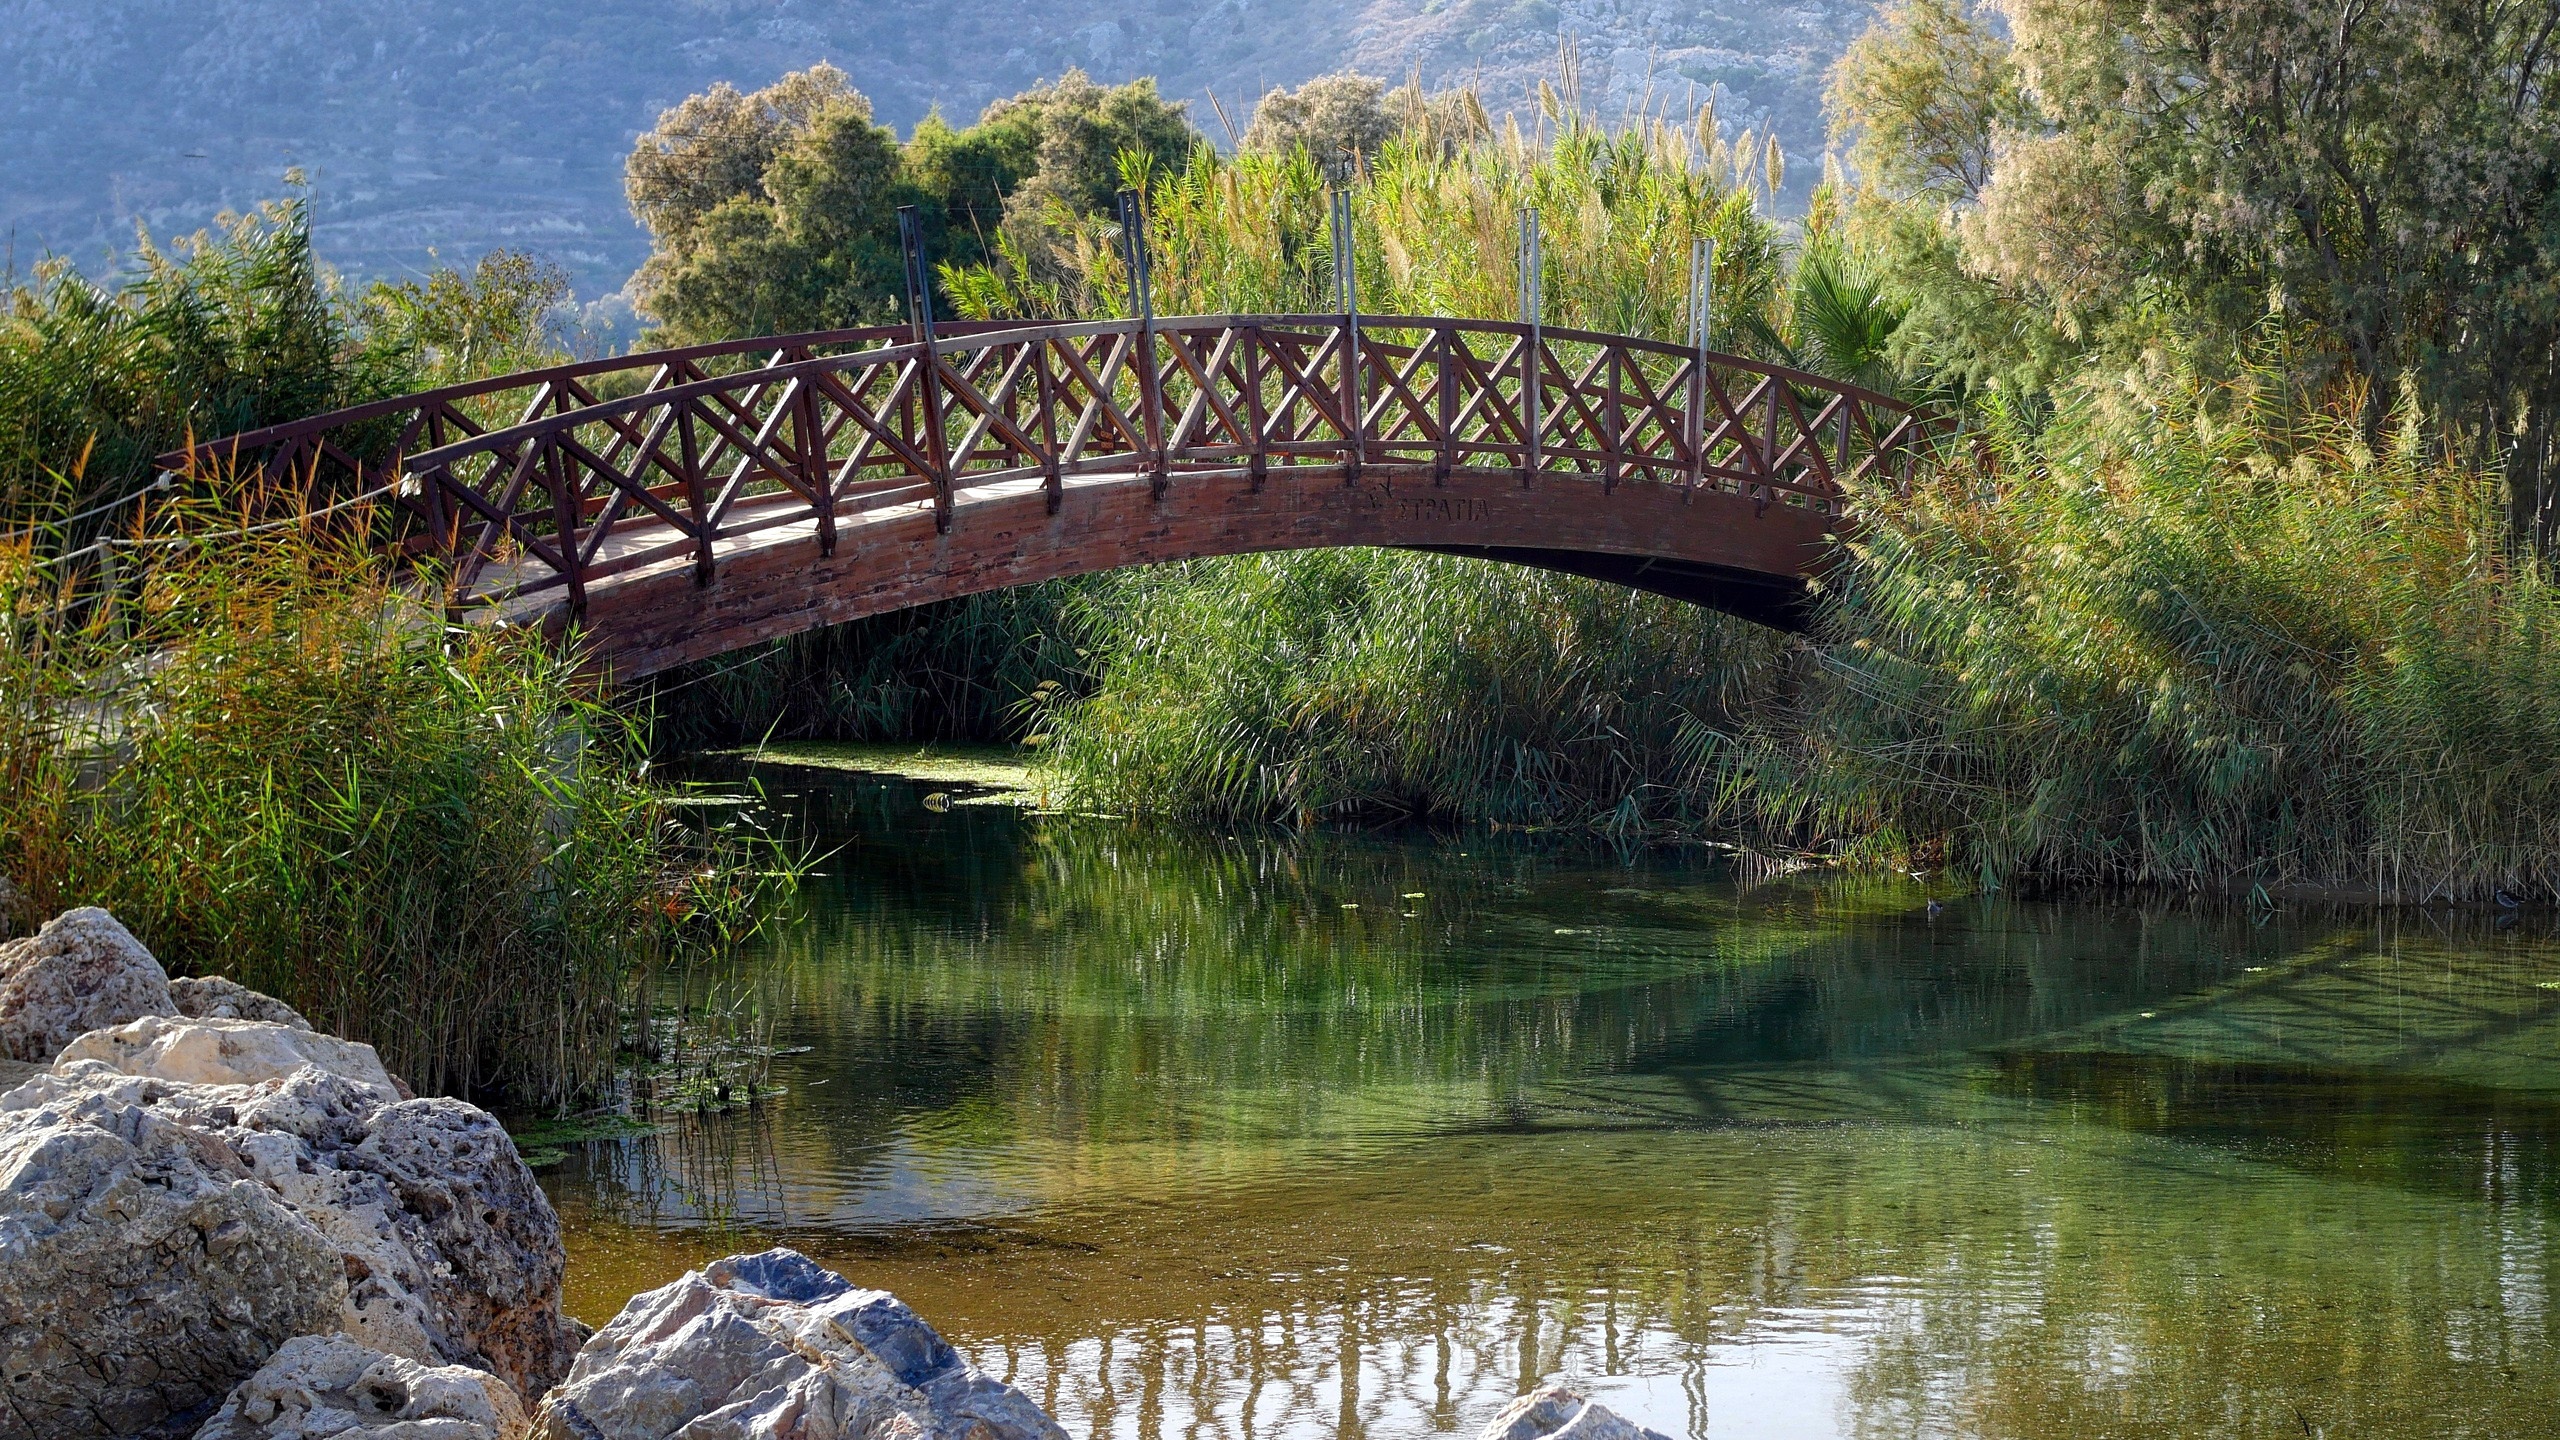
320, 1387
1557, 1412
772, 1347
212, 997
83, 971
226, 1052
144, 1270
413, 1226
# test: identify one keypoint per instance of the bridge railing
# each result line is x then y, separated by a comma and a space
562, 478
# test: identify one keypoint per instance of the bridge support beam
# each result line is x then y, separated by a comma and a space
1707, 547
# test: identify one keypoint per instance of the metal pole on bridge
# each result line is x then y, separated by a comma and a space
1533, 304
929, 372
1133, 253
1702, 274
1346, 283
919, 277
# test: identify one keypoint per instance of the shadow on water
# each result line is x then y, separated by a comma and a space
1179, 1132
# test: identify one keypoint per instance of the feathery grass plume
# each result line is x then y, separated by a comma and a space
275, 765
2179, 637
1437, 208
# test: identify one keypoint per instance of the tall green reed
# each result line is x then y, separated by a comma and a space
1327, 684
2178, 637
273, 764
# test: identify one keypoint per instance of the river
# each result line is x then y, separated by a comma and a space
1339, 1134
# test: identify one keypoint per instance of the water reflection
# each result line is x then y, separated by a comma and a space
1172, 1134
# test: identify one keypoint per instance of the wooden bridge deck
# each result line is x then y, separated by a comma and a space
675, 505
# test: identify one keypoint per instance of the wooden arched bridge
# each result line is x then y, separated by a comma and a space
684, 503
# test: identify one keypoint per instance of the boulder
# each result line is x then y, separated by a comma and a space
81, 972
772, 1347
1558, 1412
211, 997
323, 1386
488, 1235
413, 1226
226, 1052
144, 1270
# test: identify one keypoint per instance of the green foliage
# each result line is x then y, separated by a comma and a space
2180, 637
224, 332
959, 670
452, 327
1926, 95
262, 757
1437, 229
1332, 682
777, 211
1338, 119
217, 334
2131, 179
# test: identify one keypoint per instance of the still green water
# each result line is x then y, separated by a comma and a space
1164, 1130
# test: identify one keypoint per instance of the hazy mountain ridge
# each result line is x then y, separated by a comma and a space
458, 125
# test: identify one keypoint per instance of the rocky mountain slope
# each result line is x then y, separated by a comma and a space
452, 126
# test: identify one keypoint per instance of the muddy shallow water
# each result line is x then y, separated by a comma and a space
1178, 1132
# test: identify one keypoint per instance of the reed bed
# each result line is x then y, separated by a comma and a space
2175, 637
2166, 631
273, 765
1333, 684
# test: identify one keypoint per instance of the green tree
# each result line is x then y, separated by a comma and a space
777, 210
2377, 186
1339, 119
771, 212
459, 325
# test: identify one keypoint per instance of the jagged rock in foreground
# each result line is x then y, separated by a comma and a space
323, 1386
82, 971
180, 1197
143, 1267
772, 1347
1558, 1412
211, 997
151, 1223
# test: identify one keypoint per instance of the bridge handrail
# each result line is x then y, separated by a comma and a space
868, 424
950, 337
339, 419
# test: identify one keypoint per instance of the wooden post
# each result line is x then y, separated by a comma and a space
1258, 467
1612, 421
1448, 406
705, 530
1052, 481
1769, 433
809, 450
564, 519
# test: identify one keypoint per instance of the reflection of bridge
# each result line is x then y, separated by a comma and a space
687, 502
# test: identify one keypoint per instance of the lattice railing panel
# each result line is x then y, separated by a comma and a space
562, 478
